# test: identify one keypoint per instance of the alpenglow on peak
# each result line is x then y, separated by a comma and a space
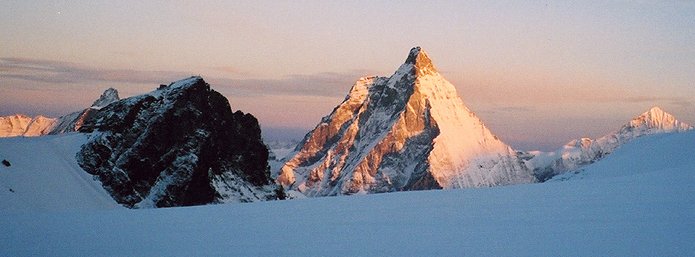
657, 119
409, 131
421, 61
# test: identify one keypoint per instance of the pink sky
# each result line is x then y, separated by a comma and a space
538, 73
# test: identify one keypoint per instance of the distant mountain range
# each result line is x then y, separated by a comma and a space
21, 125
581, 152
411, 131
182, 145
178, 145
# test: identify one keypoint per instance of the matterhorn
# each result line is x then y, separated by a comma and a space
409, 131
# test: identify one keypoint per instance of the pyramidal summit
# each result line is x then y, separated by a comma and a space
409, 131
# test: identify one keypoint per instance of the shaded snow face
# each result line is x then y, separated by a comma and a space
44, 176
636, 202
409, 131
179, 145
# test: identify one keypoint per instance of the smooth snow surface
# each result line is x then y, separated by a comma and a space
44, 175
638, 201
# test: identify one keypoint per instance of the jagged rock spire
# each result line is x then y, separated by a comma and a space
109, 96
409, 131
421, 61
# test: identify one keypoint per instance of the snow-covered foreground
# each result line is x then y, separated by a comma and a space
44, 175
639, 201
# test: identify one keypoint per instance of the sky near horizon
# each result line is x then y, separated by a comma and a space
538, 73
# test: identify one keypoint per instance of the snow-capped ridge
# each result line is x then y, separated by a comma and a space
409, 131
109, 96
656, 119
178, 145
422, 63
581, 152
22, 125
184, 83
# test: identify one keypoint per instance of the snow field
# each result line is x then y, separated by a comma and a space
637, 202
44, 175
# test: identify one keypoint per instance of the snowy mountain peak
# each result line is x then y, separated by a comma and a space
581, 152
656, 119
409, 131
109, 96
186, 83
422, 63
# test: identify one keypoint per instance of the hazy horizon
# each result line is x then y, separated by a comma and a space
537, 73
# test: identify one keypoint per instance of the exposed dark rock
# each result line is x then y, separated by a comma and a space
6, 163
179, 145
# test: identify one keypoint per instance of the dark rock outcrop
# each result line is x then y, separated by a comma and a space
179, 145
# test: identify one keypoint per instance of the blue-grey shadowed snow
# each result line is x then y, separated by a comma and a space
638, 201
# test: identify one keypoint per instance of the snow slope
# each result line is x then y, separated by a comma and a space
45, 176
653, 155
581, 152
637, 201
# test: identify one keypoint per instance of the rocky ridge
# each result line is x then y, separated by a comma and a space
179, 145
410, 131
